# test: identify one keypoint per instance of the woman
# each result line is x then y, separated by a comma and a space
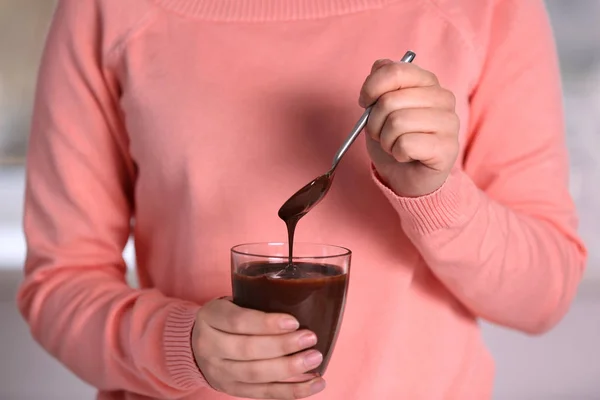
198, 118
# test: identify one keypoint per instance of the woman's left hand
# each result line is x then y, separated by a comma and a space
412, 133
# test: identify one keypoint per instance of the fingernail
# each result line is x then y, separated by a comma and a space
312, 359
289, 324
317, 386
308, 340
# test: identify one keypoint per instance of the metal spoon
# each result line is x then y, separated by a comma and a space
311, 194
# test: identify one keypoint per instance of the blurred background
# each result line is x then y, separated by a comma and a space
564, 364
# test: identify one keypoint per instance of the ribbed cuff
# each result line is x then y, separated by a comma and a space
178, 348
444, 208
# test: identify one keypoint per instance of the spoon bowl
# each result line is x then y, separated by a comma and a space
307, 198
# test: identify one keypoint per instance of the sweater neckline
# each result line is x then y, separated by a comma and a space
268, 10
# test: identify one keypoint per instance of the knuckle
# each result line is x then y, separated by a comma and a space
396, 146
373, 128
398, 70
289, 345
288, 393
276, 391
430, 77
248, 372
244, 350
434, 79
294, 365
450, 98
251, 373
400, 157
454, 122
387, 142
403, 142
396, 120
445, 98
369, 93
399, 153
387, 101
371, 132
456, 119
400, 149
236, 322
232, 348
300, 391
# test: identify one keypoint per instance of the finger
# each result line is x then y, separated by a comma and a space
273, 370
394, 76
416, 120
422, 147
248, 348
421, 97
227, 317
300, 378
278, 390
380, 63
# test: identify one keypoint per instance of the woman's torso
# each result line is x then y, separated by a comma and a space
226, 119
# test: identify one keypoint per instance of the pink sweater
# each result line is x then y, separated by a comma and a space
198, 118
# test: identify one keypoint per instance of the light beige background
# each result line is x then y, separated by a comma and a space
23, 26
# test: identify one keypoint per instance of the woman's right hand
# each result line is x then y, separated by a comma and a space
246, 353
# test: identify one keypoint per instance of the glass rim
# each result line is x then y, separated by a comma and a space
344, 252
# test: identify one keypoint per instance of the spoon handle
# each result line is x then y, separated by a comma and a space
362, 122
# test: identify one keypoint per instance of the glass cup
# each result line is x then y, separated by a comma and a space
315, 294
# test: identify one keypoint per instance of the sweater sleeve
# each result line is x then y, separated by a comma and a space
79, 202
501, 232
